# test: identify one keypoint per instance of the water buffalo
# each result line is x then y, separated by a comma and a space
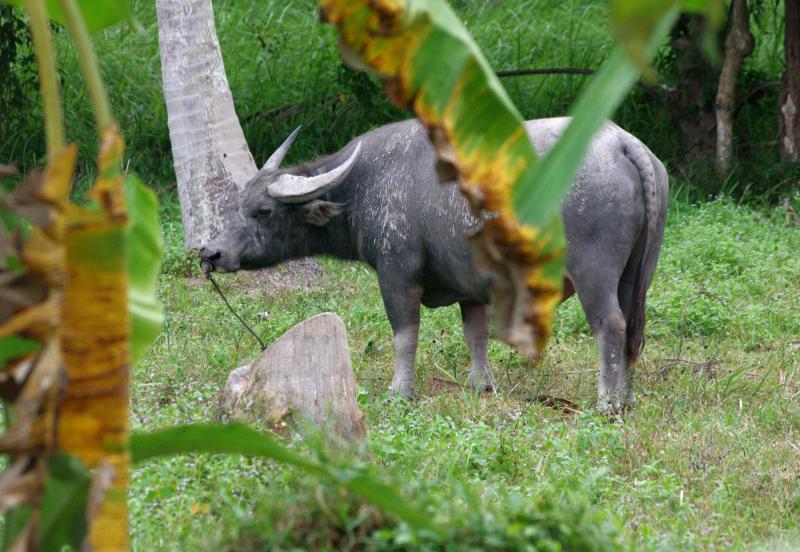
378, 201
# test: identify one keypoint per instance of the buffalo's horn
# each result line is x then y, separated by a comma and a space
291, 188
275, 159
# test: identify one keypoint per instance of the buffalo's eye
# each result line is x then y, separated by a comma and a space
264, 212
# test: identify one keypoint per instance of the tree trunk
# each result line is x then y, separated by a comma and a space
738, 45
210, 154
305, 375
790, 93
690, 102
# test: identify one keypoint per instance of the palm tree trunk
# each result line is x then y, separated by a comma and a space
211, 157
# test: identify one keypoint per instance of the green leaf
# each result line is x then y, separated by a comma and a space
14, 346
145, 250
13, 222
554, 173
63, 512
240, 439
98, 14
15, 521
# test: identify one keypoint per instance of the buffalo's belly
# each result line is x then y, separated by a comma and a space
441, 297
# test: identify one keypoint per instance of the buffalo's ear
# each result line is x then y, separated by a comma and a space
319, 212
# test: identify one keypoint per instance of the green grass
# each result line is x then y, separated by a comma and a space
709, 459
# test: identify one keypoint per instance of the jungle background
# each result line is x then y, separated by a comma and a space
709, 460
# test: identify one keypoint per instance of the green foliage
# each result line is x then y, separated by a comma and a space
284, 70
64, 504
18, 67
145, 250
14, 346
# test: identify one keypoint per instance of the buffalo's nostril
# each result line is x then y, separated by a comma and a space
210, 255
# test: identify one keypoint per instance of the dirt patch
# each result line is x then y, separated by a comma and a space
298, 274
438, 386
292, 275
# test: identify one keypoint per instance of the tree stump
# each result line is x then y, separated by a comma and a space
306, 375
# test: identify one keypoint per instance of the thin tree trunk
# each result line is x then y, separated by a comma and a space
790, 94
210, 154
738, 45
690, 103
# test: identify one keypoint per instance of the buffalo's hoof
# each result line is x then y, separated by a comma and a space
614, 406
402, 390
483, 382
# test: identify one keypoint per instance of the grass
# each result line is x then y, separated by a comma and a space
709, 460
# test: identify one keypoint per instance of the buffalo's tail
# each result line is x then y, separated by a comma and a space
641, 158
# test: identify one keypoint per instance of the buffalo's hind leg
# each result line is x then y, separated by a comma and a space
608, 323
476, 333
402, 308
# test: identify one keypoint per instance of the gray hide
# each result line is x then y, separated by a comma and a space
387, 210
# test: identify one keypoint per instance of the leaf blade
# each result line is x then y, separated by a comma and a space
145, 250
241, 439
63, 511
554, 174
98, 14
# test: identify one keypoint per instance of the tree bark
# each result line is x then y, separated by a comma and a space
305, 375
211, 157
738, 45
690, 101
790, 93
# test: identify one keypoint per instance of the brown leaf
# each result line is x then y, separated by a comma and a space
557, 403
44, 375
23, 437
19, 290
8, 171
44, 256
34, 322
13, 377
26, 541
19, 484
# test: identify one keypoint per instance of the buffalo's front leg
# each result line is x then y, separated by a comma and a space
402, 308
476, 333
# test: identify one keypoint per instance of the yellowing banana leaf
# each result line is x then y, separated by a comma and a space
95, 340
431, 64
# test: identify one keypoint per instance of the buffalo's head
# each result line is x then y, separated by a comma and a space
280, 213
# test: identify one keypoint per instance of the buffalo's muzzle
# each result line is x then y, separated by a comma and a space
207, 258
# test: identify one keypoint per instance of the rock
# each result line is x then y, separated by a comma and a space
306, 375
234, 387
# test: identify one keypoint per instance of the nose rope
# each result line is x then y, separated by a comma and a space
239, 318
